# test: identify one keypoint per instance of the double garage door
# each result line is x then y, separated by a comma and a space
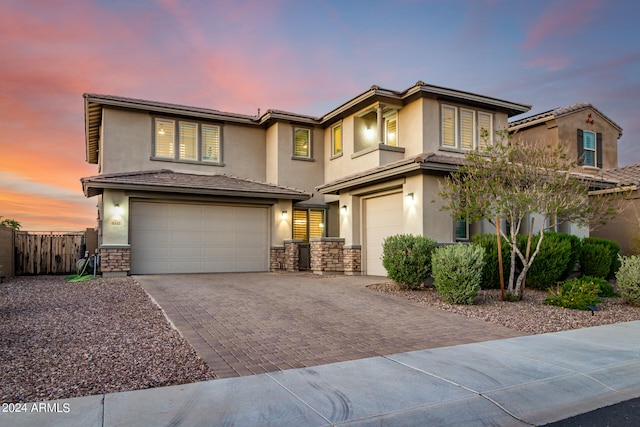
197, 238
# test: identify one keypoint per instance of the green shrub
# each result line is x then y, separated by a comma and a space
575, 293
551, 262
457, 271
595, 260
614, 251
407, 259
575, 243
628, 278
606, 290
491, 271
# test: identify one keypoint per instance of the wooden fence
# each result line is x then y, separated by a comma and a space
48, 253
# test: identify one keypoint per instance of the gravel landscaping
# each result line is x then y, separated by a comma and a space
529, 315
61, 340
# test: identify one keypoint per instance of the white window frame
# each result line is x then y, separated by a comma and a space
591, 150
392, 118
176, 151
308, 154
455, 129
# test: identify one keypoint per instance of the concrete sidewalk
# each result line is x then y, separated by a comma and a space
530, 380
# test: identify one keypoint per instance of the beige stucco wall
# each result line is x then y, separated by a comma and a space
115, 220
438, 224
625, 226
564, 130
128, 147
567, 133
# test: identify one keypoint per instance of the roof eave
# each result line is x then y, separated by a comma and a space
92, 188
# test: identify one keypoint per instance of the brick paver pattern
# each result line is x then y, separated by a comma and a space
250, 323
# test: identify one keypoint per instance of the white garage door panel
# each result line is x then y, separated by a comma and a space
190, 238
383, 218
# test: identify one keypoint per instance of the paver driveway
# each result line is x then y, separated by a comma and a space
249, 323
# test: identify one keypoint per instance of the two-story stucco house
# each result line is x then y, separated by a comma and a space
185, 189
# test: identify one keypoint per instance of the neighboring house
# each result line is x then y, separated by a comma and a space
626, 226
185, 189
589, 136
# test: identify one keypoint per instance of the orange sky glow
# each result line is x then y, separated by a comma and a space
305, 57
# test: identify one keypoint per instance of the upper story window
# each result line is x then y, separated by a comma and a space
391, 130
302, 143
462, 128
590, 148
336, 140
187, 141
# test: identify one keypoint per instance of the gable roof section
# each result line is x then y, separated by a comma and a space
167, 181
626, 175
557, 113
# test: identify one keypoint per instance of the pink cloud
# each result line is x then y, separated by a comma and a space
561, 19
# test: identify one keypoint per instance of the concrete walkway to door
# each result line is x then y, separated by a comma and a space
250, 323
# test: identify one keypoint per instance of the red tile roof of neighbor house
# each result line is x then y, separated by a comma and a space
166, 180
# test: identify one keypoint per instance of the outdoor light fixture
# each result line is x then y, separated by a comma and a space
343, 209
284, 215
409, 198
117, 210
369, 133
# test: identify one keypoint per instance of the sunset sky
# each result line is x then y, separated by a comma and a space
305, 56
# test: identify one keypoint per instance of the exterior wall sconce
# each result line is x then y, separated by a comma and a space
284, 215
117, 211
369, 133
409, 198
343, 210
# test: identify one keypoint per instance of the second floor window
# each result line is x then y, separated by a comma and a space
462, 128
302, 143
336, 140
590, 148
187, 141
391, 131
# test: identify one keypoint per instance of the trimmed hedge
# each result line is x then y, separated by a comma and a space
457, 272
551, 263
595, 260
407, 259
491, 272
614, 251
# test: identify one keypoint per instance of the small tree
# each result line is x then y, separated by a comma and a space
511, 179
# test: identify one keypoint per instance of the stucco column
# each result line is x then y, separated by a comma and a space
380, 125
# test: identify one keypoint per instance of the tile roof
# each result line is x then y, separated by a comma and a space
166, 180
559, 112
426, 160
627, 175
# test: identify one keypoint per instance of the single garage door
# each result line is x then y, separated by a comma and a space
383, 217
197, 238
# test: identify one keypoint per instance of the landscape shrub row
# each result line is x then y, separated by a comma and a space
460, 271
